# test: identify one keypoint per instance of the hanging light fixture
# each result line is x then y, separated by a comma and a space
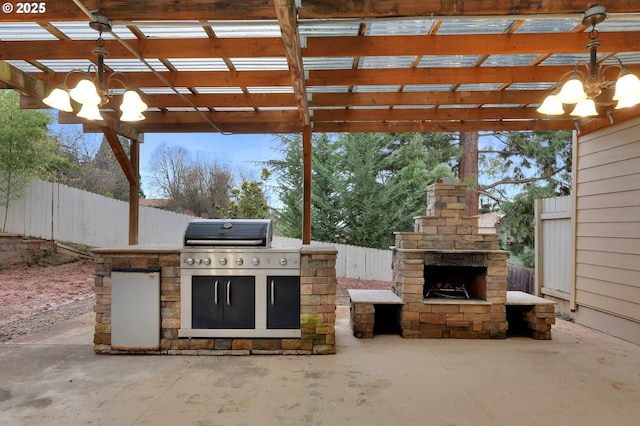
584, 89
92, 92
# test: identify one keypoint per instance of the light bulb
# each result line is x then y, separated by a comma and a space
59, 99
627, 85
628, 101
572, 92
586, 108
551, 106
131, 102
90, 112
131, 116
85, 93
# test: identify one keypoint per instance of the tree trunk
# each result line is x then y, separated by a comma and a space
468, 169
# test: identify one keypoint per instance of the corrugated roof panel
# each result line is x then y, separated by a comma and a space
270, 89
246, 30
530, 86
446, 61
400, 27
134, 65
327, 89
282, 108
508, 60
66, 66
260, 64
414, 106
233, 109
197, 64
370, 89
548, 25
14, 31
23, 66
191, 29
474, 26
373, 62
219, 90
333, 29
503, 105
617, 24
629, 57
479, 87
82, 31
427, 87
449, 106
565, 59
163, 90
327, 63
370, 107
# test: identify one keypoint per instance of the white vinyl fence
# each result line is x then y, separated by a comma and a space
554, 246
57, 212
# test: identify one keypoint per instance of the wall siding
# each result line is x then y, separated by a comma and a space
607, 191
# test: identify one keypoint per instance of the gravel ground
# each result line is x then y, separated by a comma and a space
46, 319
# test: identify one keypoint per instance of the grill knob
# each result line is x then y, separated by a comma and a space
189, 261
206, 261
199, 261
255, 261
283, 261
223, 261
239, 261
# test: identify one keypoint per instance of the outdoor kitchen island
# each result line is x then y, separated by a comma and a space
317, 306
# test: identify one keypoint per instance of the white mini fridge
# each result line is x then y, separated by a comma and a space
135, 309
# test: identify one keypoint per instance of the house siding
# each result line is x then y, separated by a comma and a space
607, 250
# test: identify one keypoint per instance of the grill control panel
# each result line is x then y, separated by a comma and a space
234, 259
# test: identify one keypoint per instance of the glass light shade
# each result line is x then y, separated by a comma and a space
59, 99
629, 101
90, 112
131, 116
585, 108
551, 106
131, 102
627, 85
572, 92
85, 93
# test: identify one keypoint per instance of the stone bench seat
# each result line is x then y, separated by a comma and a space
530, 314
363, 307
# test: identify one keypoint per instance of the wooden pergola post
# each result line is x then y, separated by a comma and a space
306, 198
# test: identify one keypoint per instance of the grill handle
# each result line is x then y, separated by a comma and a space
224, 242
273, 302
229, 293
215, 292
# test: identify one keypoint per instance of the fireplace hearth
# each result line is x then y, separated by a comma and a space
451, 278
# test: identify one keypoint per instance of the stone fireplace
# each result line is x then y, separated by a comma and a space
452, 280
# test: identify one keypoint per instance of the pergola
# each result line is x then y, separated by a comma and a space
303, 66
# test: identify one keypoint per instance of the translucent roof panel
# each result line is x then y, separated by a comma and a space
82, 31
24, 66
282, 108
327, 63
179, 29
246, 30
530, 86
413, 106
219, 90
400, 27
617, 24
133, 65
66, 66
501, 105
164, 90
479, 87
508, 60
327, 89
446, 61
386, 62
629, 58
233, 109
374, 89
270, 89
565, 59
427, 88
548, 25
474, 26
260, 64
448, 106
195, 64
328, 29
10, 31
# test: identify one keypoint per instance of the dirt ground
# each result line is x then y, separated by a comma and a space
26, 291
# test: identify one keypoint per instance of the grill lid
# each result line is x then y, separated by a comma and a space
229, 232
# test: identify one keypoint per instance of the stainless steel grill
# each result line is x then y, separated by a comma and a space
234, 284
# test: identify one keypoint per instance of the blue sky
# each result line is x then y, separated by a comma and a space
240, 152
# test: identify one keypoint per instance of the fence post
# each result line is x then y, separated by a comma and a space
538, 244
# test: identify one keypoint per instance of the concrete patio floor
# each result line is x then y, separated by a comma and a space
581, 377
